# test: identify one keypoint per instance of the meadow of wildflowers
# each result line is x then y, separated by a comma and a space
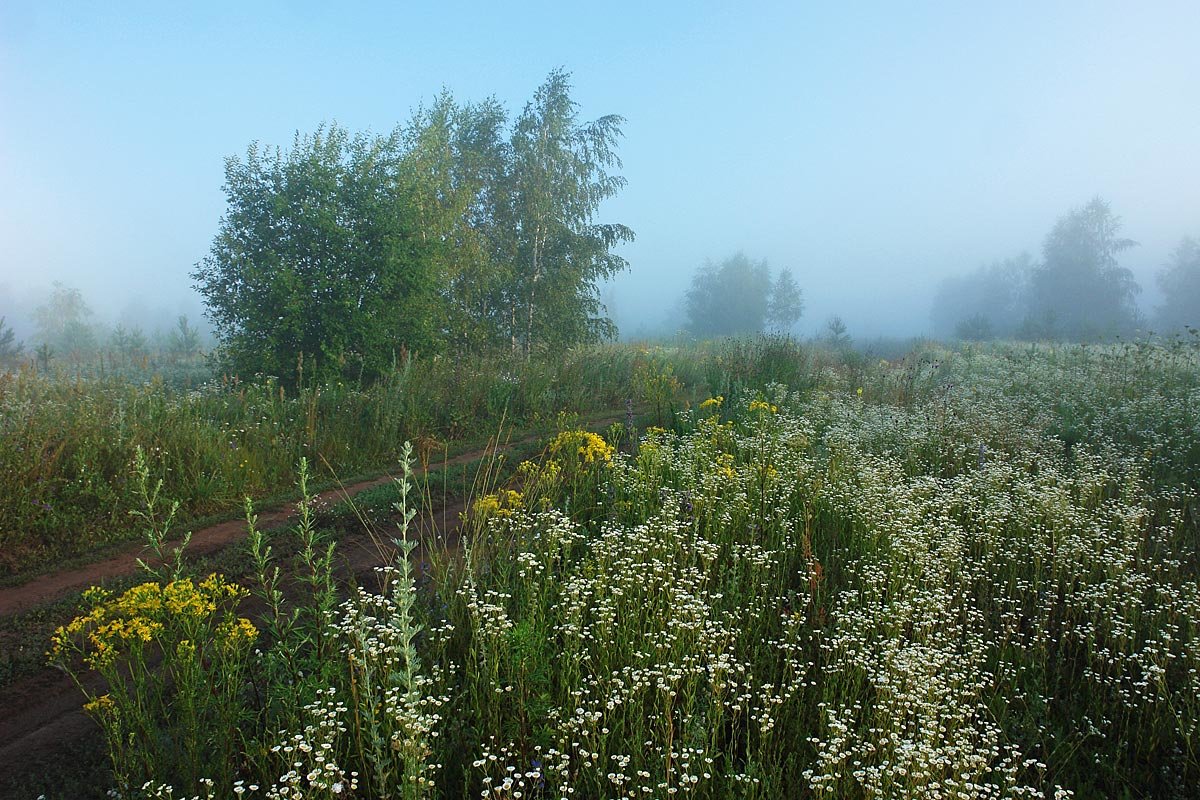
965, 574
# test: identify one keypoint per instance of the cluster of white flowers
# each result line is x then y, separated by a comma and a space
397, 702
893, 574
313, 770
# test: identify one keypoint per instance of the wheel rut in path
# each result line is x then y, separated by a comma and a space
52, 586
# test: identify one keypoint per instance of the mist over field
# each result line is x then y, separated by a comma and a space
873, 152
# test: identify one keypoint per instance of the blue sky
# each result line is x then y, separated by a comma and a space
872, 148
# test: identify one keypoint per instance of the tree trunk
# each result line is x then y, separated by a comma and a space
537, 274
512, 322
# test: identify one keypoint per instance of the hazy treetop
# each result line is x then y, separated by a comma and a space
871, 149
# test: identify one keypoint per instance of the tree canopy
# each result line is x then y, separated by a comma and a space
62, 322
1080, 291
557, 179
1180, 284
345, 251
184, 339
738, 296
319, 256
786, 304
986, 303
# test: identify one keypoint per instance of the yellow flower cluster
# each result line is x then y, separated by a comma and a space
233, 633
763, 405
534, 473
725, 466
713, 402
100, 706
142, 614
588, 446
501, 504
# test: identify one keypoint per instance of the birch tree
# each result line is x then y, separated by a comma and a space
558, 178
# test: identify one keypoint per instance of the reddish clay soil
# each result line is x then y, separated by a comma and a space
49, 587
42, 725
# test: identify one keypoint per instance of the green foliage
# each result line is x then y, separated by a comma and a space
66, 441
10, 348
320, 265
455, 160
729, 298
184, 340
129, 342
1180, 283
1080, 292
186, 704
836, 335
557, 178
156, 523
655, 382
930, 577
173, 657
736, 366
62, 322
786, 303
989, 302
738, 296
43, 354
830, 595
975, 328
343, 254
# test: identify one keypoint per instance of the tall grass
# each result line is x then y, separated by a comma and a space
67, 443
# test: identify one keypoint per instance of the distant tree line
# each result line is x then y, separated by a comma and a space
1180, 284
1078, 291
456, 232
64, 330
738, 296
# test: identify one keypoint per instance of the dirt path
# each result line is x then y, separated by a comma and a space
42, 725
47, 588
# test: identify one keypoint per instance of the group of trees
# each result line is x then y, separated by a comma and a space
1078, 291
984, 304
739, 296
63, 322
456, 231
64, 329
1180, 284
